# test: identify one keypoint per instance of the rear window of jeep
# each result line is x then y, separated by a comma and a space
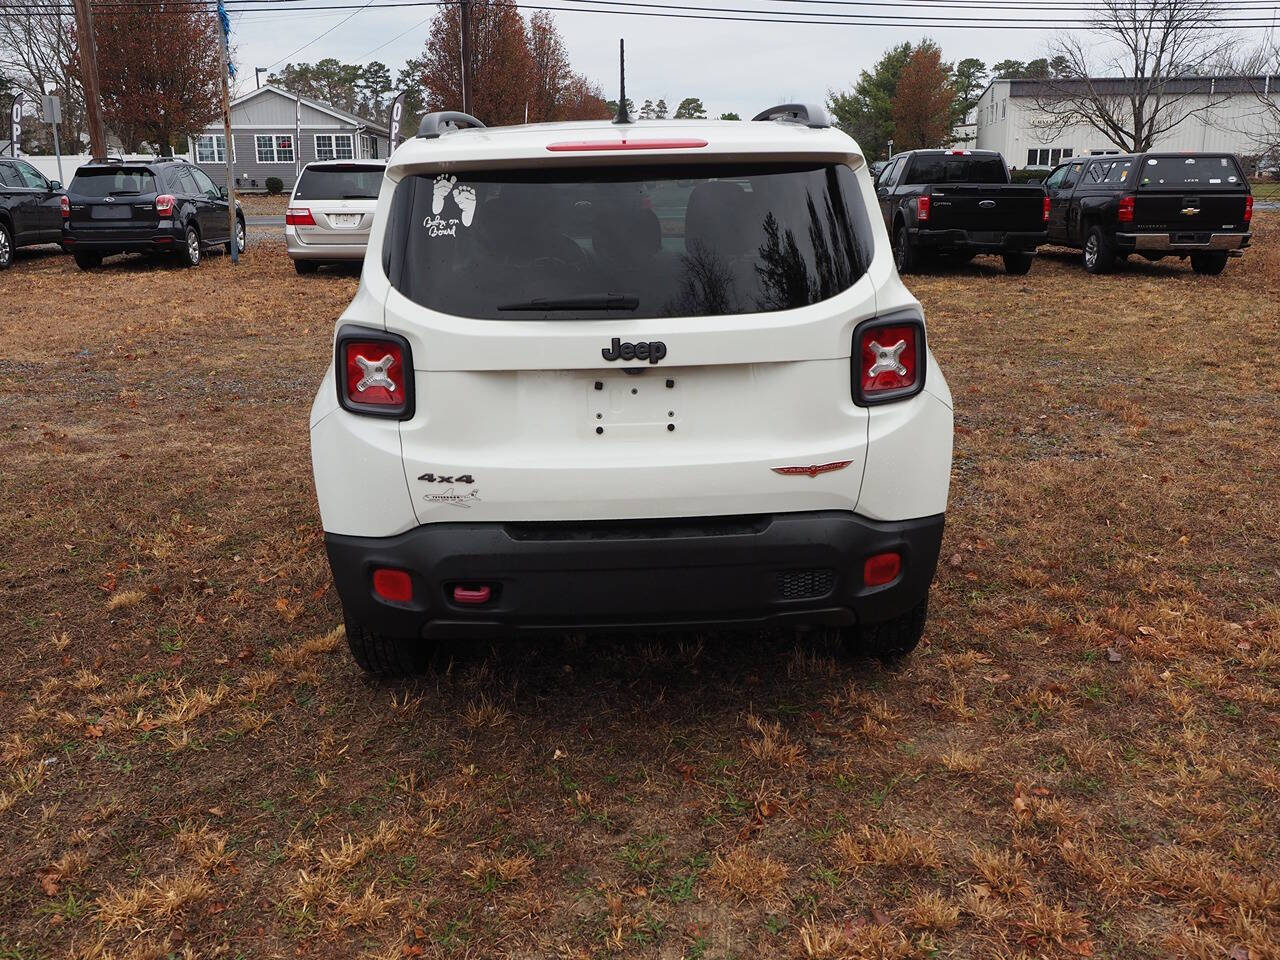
615, 242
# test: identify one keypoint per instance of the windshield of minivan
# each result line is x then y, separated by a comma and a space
339, 183
617, 242
1191, 173
956, 168
112, 181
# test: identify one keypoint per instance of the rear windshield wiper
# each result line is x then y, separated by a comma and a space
123, 193
606, 301
359, 196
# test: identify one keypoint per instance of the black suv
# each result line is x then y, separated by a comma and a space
154, 206
1156, 205
29, 208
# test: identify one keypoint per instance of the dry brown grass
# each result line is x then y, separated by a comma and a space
1081, 760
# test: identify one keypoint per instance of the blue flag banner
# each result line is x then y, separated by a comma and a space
225, 20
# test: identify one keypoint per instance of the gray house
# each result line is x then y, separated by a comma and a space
275, 132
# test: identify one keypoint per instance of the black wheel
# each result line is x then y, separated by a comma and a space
305, 266
87, 261
904, 251
890, 639
387, 656
1018, 263
191, 252
1210, 264
6, 246
1099, 256
239, 237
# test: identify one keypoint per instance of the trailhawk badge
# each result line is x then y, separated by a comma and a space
813, 469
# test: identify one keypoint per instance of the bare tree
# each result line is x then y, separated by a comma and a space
1259, 69
38, 47
1140, 72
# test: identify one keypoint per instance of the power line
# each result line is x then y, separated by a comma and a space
318, 37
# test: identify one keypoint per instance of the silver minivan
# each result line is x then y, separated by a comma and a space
331, 211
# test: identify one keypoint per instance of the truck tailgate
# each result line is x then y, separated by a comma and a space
986, 208
1160, 212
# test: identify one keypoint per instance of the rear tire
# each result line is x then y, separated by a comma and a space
191, 253
893, 639
381, 656
1018, 263
1209, 264
239, 238
6, 247
87, 261
905, 256
305, 266
1099, 255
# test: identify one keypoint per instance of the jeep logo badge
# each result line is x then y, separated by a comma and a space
653, 351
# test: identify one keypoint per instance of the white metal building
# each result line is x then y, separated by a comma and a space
1009, 120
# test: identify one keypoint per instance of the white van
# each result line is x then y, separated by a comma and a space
604, 376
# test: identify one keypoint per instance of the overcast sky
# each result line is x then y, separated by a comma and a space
732, 67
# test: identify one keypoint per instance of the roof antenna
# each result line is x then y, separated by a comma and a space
624, 115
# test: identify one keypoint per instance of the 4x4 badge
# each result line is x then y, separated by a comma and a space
814, 468
460, 478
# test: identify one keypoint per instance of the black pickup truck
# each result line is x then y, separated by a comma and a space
958, 203
1156, 205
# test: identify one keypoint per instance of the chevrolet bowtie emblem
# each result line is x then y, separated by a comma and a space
813, 469
1190, 211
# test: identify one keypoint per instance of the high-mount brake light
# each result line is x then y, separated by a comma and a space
922, 208
299, 217
1124, 213
164, 205
65, 204
1045, 214
596, 145
374, 371
888, 359
1248, 208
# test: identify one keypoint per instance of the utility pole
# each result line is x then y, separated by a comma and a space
467, 103
222, 28
89, 77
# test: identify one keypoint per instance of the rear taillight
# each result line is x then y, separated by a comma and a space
65, 204
299, 217
164, 205
1045, 215
922, 208
392, 584
374, 373
1248, 208
1124, 212
888, 359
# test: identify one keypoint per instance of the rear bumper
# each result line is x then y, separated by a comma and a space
1183, 242
301, 250
980, 241
99, 241
787, 568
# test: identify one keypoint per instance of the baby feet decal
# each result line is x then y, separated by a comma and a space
444, 183
465, 198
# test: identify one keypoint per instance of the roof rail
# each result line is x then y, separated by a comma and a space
106, 159
445, 121
810, 114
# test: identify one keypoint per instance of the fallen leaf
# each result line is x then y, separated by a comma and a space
1240, 953
879, 917
1113, 655
49, 883
956, 560
216, 811
92, 730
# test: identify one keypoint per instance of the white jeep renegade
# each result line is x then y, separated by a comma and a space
604, 376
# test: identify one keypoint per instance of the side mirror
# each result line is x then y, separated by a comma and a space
222, 192
882, 191
55, 184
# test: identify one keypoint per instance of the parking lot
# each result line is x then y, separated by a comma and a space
1082, 759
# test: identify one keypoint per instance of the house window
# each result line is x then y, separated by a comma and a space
335, 146
1004, 105
368, 147
274, 148
211, 148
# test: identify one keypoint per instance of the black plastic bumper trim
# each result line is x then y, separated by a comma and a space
642, 574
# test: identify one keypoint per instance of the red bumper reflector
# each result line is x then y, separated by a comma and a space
463, 594
566, 145
393, 585
881, 569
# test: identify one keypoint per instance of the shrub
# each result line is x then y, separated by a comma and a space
1025, 175
275, 186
